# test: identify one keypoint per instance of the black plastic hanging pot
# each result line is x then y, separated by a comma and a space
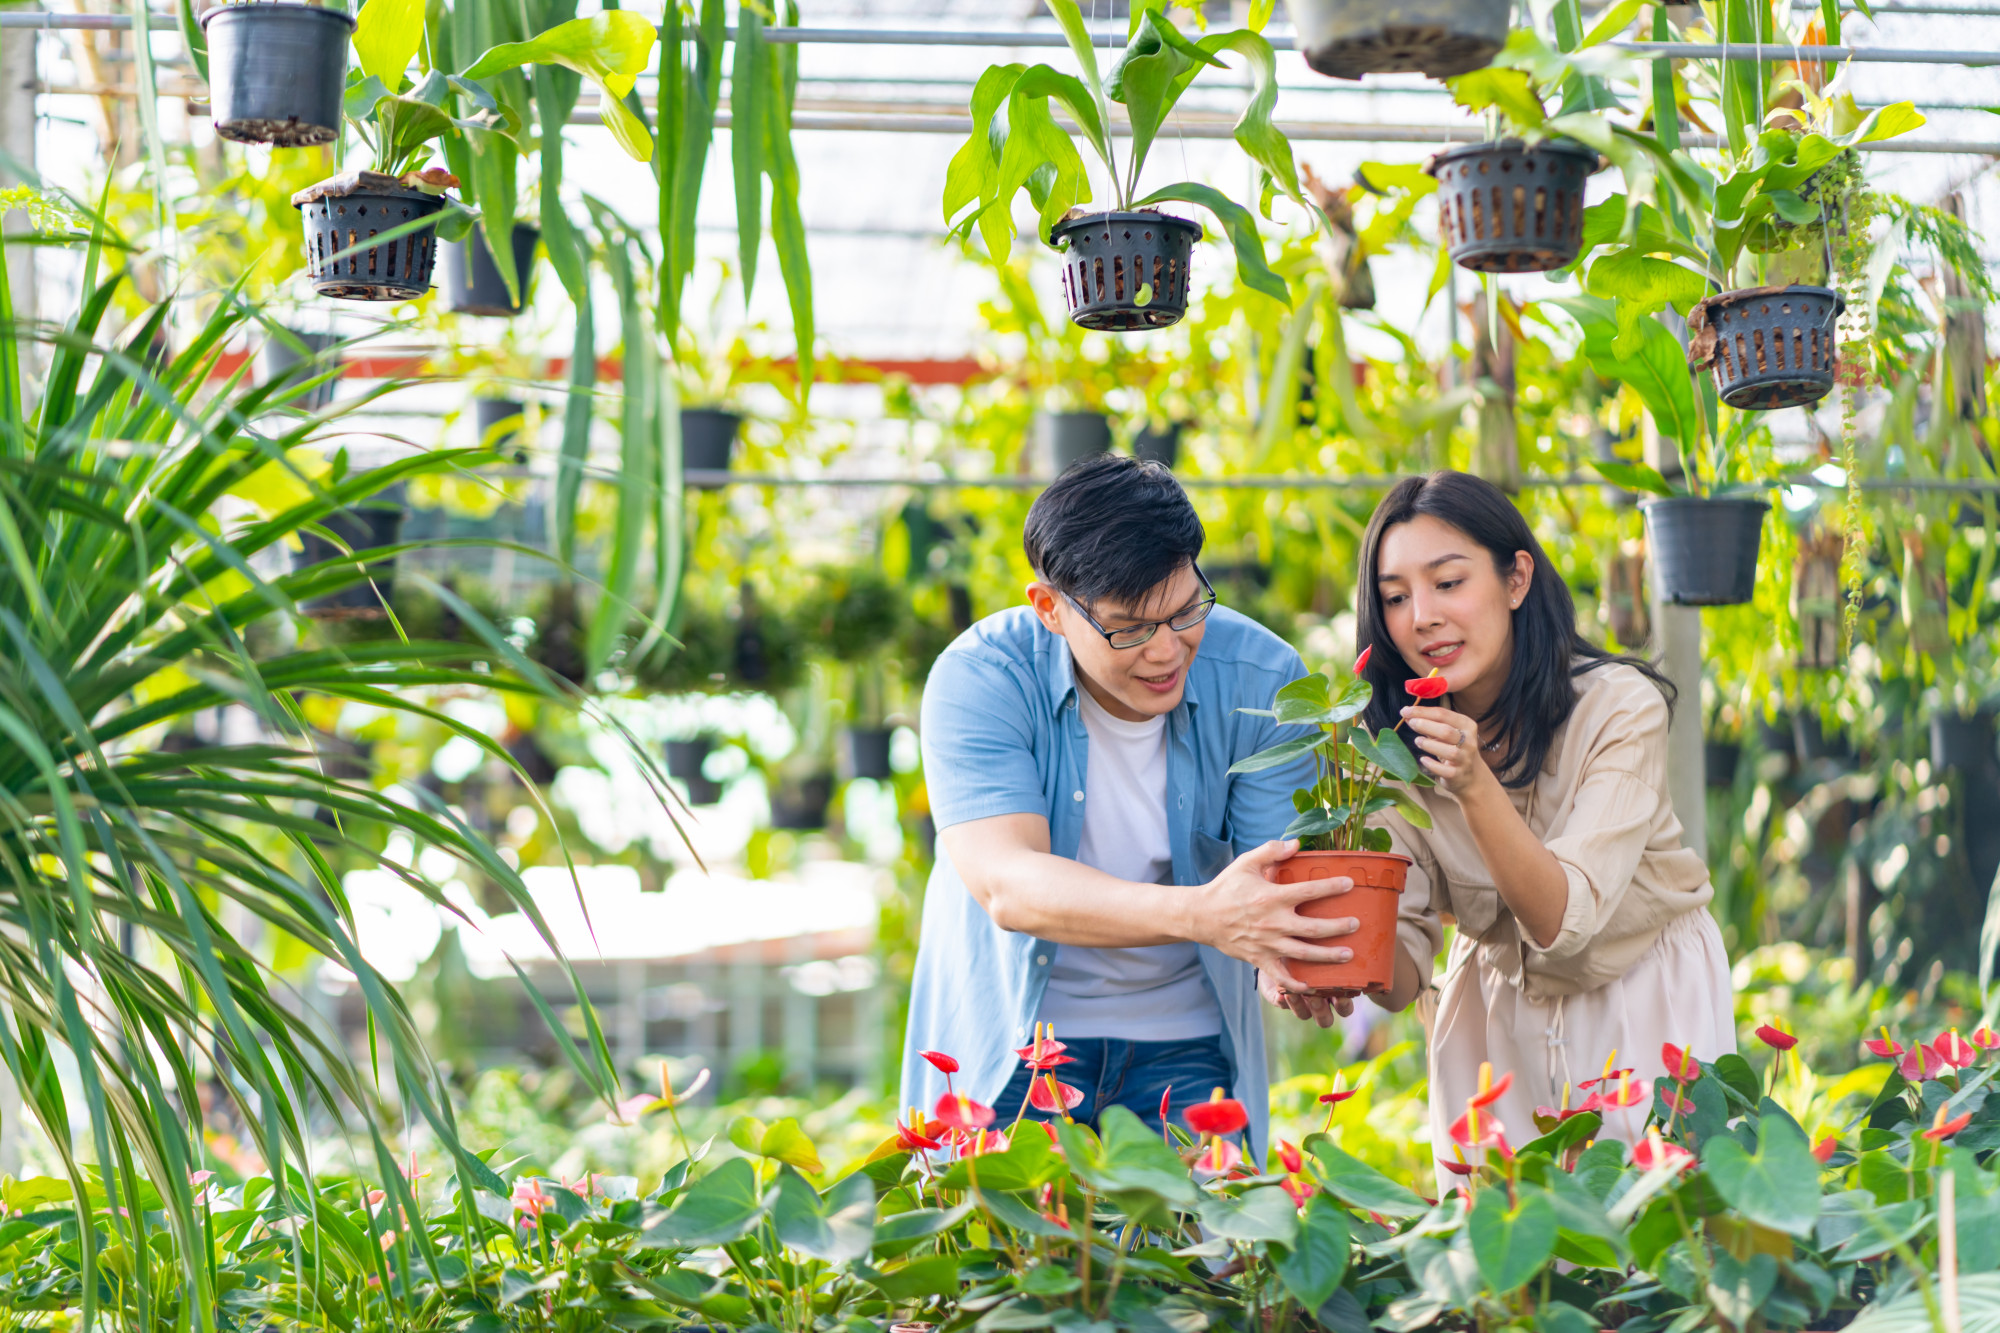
1513, 207
278, 356
868, 752
1158, 446
277, 72
1125, 271
1346, 39
708, 437
802, 805
1719, 760
344, 215
1704, 551
1770, 347
1067, 438
372, 525
472, 282
505, 414
685, 758
1964, 745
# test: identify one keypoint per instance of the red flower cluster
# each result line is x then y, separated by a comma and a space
1925, 1062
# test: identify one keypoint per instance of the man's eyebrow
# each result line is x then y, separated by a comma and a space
1441, 560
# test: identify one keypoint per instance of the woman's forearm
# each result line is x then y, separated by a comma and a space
1529, 878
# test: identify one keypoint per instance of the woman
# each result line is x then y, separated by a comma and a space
1583, 942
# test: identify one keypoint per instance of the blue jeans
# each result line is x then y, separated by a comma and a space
1132, 1074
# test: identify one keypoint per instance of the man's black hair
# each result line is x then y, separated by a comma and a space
1111, 527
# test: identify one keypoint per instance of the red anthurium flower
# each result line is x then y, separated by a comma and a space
1954, 1050
941, 1062
1489, 1094
531, 1198
915, 1135
1043, 1100
1361, 662
1942, 1129
957, 1111
1456, 1163
1477, 1131
1825, 1149
1219, 1115
1055, 1208
1289, 1154
1921, 1065
1986, 1038
1678, 1104
1682, 1067
1299, 1188
1626, 1092
1219, 1158
1885, 1047
1653, 1151
1336, 1098
1045, 1052
1776, 1040
979, 1142
1428, 687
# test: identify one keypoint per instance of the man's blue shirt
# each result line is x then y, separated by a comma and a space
1002, 736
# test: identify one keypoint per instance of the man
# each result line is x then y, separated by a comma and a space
1077, 752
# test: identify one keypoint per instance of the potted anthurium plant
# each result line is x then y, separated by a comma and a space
1125, 267
1355, 777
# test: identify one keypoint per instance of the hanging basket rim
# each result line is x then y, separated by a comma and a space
275, 6
1074, 221
1554, 143
1702, 336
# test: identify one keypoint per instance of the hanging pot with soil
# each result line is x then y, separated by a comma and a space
472, 282
1374, 901
1162, 446
1513, 207
685, 758
708, 437
1345, 39
1770, 347
801, 805
1704, 549
1125, 271
344, 215
277, 72
868, 752
372, 525
1719, 762
277, 357
1067, 438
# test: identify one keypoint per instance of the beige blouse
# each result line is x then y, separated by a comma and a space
1600, 805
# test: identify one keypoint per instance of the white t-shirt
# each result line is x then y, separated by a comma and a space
1157, 993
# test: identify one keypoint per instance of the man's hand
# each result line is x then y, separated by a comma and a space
1243, 914
1321, 1009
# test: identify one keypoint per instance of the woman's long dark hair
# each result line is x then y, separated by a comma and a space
1540, 693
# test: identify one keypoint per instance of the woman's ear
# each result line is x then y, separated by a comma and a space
1519, 579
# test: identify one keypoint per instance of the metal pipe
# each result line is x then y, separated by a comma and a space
1276, 482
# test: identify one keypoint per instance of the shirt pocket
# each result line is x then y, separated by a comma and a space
1211, 856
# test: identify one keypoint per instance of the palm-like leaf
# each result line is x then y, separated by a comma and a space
129, 871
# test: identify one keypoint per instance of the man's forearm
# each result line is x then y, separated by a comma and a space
1054, 898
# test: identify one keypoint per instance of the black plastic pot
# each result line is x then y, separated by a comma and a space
1719, 759
1512, 207
708, 437
1158, 446
472, 283
1964, 745
278, 356
276, 72
802, 805
703, 792
1125, 271
685, 758
1770, 347
369, 526
344, 215
1346, 39
868, 752
1704, 551
487, 413
1067, 438
1811, 742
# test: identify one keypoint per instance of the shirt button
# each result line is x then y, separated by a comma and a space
1076, 796
1041, 960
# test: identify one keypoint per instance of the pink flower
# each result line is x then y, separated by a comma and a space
1921, 1065
1885, 1048
1942, 1129
1775, 1039
1954, 1050
1678, 1104
199, 1178
1493, 1092
629, 1111
1627, 1092
1825, 1149
1653, 1152
958, 1111
375, 1198
1479, 1132
979, 1142
1986, 1038
1299, 1188
1042, 1100
1682, 1067
1219, 1158
530, 1198
1045, 1053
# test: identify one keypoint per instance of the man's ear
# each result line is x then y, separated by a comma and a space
1043, 599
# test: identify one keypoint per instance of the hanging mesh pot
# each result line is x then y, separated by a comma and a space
1125, 271
1770, 347
1346, 39
343, 216
1512, 207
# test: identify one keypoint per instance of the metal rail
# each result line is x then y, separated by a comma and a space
1274, 482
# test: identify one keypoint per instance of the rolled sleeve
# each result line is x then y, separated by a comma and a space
1614, 816
979, 740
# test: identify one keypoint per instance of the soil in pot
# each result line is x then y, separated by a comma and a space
868, 752
472, 283
802, 805
1770, 347
277, 72
685, 758
1159, 446
278, 356
1704, 550
1125, 271
1513, 207
708, 436
1346, 39
497, 422
1374, 901
370, 526
1067, 438
344, 215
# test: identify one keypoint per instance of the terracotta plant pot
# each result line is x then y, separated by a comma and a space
1377, 895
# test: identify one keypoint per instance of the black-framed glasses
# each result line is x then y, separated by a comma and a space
1131, 636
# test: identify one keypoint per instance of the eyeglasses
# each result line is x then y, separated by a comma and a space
1131, 636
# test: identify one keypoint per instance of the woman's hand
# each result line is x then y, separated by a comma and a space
1448, 748
1321, 1009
